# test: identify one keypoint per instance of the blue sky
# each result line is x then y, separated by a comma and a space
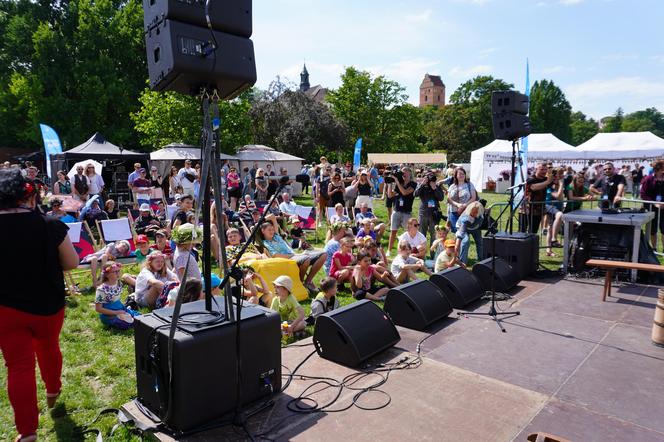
602, 53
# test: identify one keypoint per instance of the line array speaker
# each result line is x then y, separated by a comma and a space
417, 304
505, 277
459, 285
230, 16
354, 333
509, 111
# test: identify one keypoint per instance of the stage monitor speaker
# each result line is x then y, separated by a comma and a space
204, 363
459, 285
354, 333
181, 58
509, 110
231, 17
417, 304
519, 250
505, 277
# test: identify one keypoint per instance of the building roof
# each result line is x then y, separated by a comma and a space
407, 158
435, 80
317, 93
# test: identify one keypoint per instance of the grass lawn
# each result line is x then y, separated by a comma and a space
99, 363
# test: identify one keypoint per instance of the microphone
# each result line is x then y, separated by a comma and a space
516, 186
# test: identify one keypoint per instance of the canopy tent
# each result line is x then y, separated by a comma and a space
83, 164
97, 147
264, 155
178, 151
407, 158
488, 161
627, 147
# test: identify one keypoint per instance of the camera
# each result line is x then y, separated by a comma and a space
391, 176
430, 177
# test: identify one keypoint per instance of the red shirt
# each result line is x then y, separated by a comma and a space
167, 249
344, 259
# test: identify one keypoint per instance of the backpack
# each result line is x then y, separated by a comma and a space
81, 184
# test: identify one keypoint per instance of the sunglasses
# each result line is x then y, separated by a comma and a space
416, 225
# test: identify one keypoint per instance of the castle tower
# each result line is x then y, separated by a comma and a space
304, 79
432, 91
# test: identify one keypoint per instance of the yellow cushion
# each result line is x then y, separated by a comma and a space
272, 268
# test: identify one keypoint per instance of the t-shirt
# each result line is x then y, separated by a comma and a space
288, 207
339, 219
344, 259
277, 246
287, 309
609, 186
181, 215
415, 241
575, 205
168, 251
321, 305
404, 203
186, 182
297, 232
109, 297
443, 261
146, 275
366, 277
536, 196
96, 183
33, 280
140, 257
362, 216
331, 247
362, 234
180, 262
460, 193
399, 262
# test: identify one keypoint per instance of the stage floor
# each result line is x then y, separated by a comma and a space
569, 365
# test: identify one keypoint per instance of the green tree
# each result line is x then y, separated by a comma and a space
465, 124
169, 117
582, 128
550, 112
614, 122
645, 120
375, 109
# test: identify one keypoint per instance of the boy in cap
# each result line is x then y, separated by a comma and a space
142, 248
448, 258
285, 303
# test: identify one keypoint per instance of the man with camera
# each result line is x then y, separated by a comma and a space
403, 197
430, 194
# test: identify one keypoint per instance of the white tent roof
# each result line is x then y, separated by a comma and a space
258, 152
176, 151
623, 145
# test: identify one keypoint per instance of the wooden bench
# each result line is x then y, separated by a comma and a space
610, 266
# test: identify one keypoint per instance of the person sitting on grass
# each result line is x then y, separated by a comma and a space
151, 280
163, 245
337, 232
366, 213
309, 262
193, 291
184, 261
438, 246
108, 303
405, 265
379, 262
298, 239
415, 238
146, 223
326, 300
285, 303
448, 258
342, 262
142, 248
362, 284
111, 252
366, 231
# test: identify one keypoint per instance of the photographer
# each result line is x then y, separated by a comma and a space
430, 194
403, 197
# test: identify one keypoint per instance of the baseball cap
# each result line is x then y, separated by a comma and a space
145, 207
142, 238
215, 281
450, 243
285, 282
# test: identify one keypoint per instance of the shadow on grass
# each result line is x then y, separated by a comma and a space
64, 426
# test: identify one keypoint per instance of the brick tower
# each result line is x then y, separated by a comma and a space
432, 91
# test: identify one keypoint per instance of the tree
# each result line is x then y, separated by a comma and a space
549, 110
614, 122
582, 129
169, 117
465, 124
374, 109
645, 120
292, 122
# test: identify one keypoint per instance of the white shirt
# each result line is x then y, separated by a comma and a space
95, 183
399, 262
288, 207
415, 241
186, 184
143, 278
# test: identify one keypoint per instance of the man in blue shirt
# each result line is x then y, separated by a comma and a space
365, 213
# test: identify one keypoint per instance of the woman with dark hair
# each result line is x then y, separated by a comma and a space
31, 308
173, 182
62, 186
460, 194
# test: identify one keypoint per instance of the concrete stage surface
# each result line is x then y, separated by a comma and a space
569, 365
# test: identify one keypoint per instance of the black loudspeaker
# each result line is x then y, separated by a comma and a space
505, 277
232, 17
204, 365
354, 333
459, 285
519, 250
417, 304
509, 110
182, 58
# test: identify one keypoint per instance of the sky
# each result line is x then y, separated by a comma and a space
604, 54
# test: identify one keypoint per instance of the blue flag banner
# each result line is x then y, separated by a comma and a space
52, 145
358, 154
522, 163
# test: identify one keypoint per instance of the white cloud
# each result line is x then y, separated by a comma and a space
631, 93
466, 73
405, 69
423, 16
474, 2
483, 53
658, 58
619, 57
548, 70
570, 2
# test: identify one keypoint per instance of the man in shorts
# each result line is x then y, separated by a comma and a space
403, 197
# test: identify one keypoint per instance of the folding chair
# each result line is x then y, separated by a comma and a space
307, 216
85, 244
112, 230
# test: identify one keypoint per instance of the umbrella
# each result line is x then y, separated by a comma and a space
97, 165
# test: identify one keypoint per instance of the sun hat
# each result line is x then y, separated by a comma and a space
285, 282
295, 219
450, 243
145, 207
142, 238
187, 233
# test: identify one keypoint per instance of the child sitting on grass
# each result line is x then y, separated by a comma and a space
285, 303
111, 252
299, 240
108, 304
448, 258
378, 261
342, 268
362, 284
185, 235
438, 245
326, 300
193, 291
142, 248
405, 266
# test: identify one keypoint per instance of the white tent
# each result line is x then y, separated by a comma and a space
176, 151
264, 155
488, 161
626, 147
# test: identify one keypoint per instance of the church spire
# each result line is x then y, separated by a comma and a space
304, 79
